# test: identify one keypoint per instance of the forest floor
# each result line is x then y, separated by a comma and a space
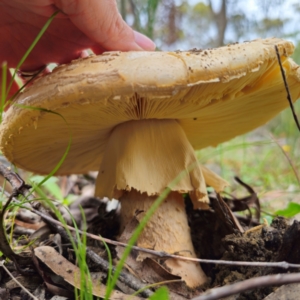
232, 230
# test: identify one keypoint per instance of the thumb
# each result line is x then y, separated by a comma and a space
102, 23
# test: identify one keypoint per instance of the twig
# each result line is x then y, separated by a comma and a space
287, 89
253, 283
126, 278
14, 179
164, 255
161, 254
19, 188
16, 281
253, 198
227, 217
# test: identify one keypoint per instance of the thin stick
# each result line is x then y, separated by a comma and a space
164, 255
253, 283
287, 89
161, 254
17, 182
16, 281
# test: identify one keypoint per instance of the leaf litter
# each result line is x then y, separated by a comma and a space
224, 235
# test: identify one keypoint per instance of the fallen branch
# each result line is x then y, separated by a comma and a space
127, 278
164, 255
160, 254
253, 283
17, 182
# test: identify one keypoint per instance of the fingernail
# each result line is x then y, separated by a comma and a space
144, 42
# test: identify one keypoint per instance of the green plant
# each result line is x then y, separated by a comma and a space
160, 294
290, 211
51, 186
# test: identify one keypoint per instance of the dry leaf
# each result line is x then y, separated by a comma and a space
70, 273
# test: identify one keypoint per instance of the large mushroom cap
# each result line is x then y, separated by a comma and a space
214, 94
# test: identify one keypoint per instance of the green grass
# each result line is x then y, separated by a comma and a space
31, 47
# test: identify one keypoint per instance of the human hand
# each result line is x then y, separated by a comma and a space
94, 24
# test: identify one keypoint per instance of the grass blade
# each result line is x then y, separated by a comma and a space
40, 34
3, 88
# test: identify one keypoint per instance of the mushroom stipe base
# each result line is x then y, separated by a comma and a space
167, 230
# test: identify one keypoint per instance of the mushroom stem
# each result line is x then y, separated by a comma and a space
167, 230
141, 159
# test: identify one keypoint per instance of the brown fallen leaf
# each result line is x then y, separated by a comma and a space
70, 273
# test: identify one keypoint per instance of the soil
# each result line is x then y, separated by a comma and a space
264, 244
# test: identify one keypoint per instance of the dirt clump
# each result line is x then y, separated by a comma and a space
273, 243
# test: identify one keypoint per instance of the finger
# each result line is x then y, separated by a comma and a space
101, 22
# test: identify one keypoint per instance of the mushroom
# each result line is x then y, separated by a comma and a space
137, 118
